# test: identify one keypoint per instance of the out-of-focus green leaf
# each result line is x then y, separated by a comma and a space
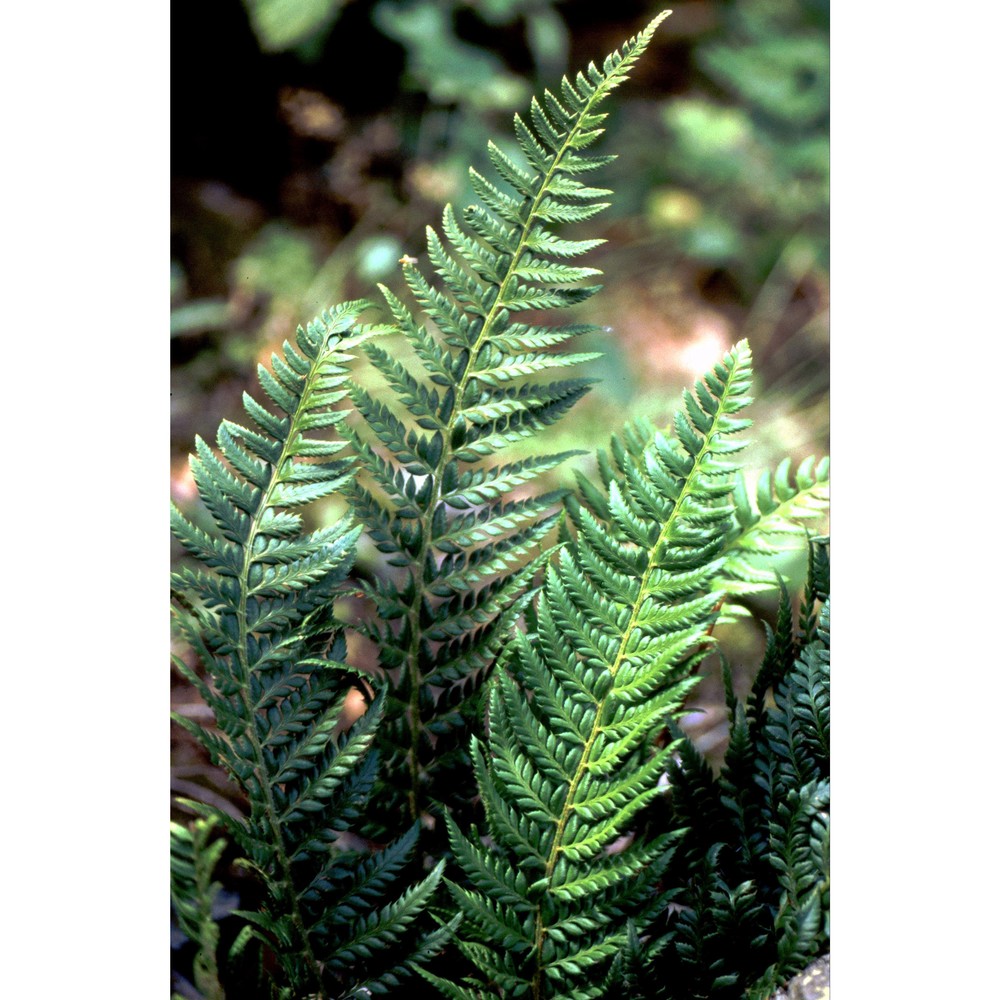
754, 150
279, 262
448, 69
706, 131
199, 316
549, 40
378, 257
178, 282
283, 24
787, 78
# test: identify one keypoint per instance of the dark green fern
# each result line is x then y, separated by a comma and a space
753, 865
432, 502
623, 618
259, 616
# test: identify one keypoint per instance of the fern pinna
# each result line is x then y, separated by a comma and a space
624, 616
752, 872
773, 522
430, 502
260, 618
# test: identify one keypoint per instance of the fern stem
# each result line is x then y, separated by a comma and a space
447, 452
662, 540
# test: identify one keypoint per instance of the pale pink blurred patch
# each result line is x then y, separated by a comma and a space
678, 348
183, 488
709, 339
619, 845
354, 708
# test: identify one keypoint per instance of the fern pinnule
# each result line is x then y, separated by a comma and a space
613, 637
441, 516
259, 615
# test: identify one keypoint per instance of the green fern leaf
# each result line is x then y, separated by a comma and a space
479, 392
759, 832
777, 525
259, 616
599, 671
192, 893
765, 525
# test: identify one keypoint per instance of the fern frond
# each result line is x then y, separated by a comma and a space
571, 712
259, 616
766, 524
797, 733
776, 523
817, 592
193, 860
478, 393
719, 933
760, 832
800, 841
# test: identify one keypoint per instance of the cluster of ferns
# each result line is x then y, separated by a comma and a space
515, 813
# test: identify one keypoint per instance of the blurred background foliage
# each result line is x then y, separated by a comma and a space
313, 140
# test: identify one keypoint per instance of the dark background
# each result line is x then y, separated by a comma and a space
304, 166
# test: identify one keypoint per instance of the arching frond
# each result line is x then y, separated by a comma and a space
434, 501
259, 615
623, 617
